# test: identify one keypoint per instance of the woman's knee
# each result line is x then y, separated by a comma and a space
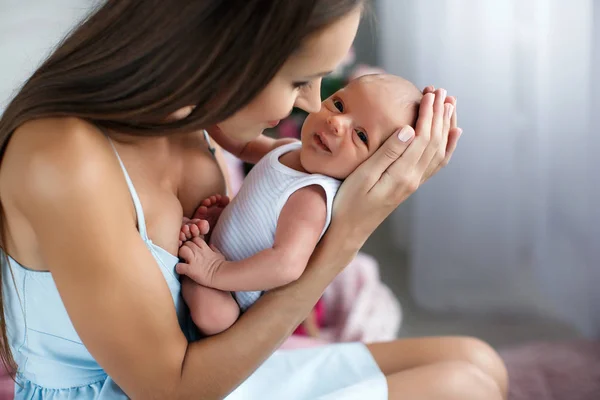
483, 356
468, 381
448, 380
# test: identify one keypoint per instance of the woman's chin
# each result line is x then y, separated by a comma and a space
244, 135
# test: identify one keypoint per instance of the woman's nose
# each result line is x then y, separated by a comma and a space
309, 99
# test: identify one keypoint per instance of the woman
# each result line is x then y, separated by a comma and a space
102, 155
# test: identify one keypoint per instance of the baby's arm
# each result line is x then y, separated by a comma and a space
250, 152
299, 227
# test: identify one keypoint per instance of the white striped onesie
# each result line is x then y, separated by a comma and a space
247, 225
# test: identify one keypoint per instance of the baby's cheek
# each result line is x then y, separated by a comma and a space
348, 166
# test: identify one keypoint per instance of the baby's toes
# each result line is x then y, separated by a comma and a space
200, 213
194, 230
203, 226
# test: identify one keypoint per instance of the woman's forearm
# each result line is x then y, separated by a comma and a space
216, 365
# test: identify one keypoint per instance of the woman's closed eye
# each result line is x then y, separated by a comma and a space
302, 85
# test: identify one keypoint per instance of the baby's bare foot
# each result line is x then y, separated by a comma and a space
192, 228
211, 208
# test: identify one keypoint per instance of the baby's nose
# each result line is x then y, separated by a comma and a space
338, 124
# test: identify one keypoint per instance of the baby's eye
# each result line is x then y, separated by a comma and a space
362, 136
339, 105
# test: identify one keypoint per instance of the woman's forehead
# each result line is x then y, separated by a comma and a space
324, 50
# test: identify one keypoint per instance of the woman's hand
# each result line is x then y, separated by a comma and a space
396, 170
454, 133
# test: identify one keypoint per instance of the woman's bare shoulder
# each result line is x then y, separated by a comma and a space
55, 160
57, 141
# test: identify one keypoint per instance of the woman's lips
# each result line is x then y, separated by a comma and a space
273, 124
321, 142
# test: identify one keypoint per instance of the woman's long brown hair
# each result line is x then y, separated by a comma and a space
132, 63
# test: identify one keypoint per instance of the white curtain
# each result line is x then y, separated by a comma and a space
512, 225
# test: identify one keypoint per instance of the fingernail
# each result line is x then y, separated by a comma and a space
406, 134
460, 131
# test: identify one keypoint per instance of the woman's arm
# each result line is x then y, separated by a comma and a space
299, 227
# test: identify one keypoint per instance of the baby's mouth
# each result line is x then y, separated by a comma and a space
321, 143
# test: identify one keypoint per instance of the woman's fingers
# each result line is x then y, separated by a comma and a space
429, 89
415, 151
439, 150
370, 171
454, 120
453, 137
426, 111
441, 111
451, 134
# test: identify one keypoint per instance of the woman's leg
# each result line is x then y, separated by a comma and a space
401, 355
212, 310
449, 380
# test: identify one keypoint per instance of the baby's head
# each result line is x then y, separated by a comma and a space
355, 121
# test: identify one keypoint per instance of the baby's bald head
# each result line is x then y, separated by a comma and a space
398, 98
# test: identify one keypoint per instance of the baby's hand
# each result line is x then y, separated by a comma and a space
191, 228
201, 261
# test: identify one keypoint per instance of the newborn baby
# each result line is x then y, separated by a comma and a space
264, 238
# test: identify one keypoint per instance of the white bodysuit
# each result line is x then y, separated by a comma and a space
248, 224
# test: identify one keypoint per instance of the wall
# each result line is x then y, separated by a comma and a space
28, 32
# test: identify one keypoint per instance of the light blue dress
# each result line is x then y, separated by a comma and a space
55, 365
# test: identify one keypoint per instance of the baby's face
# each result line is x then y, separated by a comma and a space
354, 122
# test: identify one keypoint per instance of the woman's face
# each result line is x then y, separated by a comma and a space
297, 84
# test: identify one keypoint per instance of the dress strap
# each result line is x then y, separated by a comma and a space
210, 147
139, 211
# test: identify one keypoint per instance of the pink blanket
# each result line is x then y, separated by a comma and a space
358, 307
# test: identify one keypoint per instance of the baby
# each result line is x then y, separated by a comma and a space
264, 238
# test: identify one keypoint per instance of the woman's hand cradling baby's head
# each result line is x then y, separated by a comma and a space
395, 171
454, 134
